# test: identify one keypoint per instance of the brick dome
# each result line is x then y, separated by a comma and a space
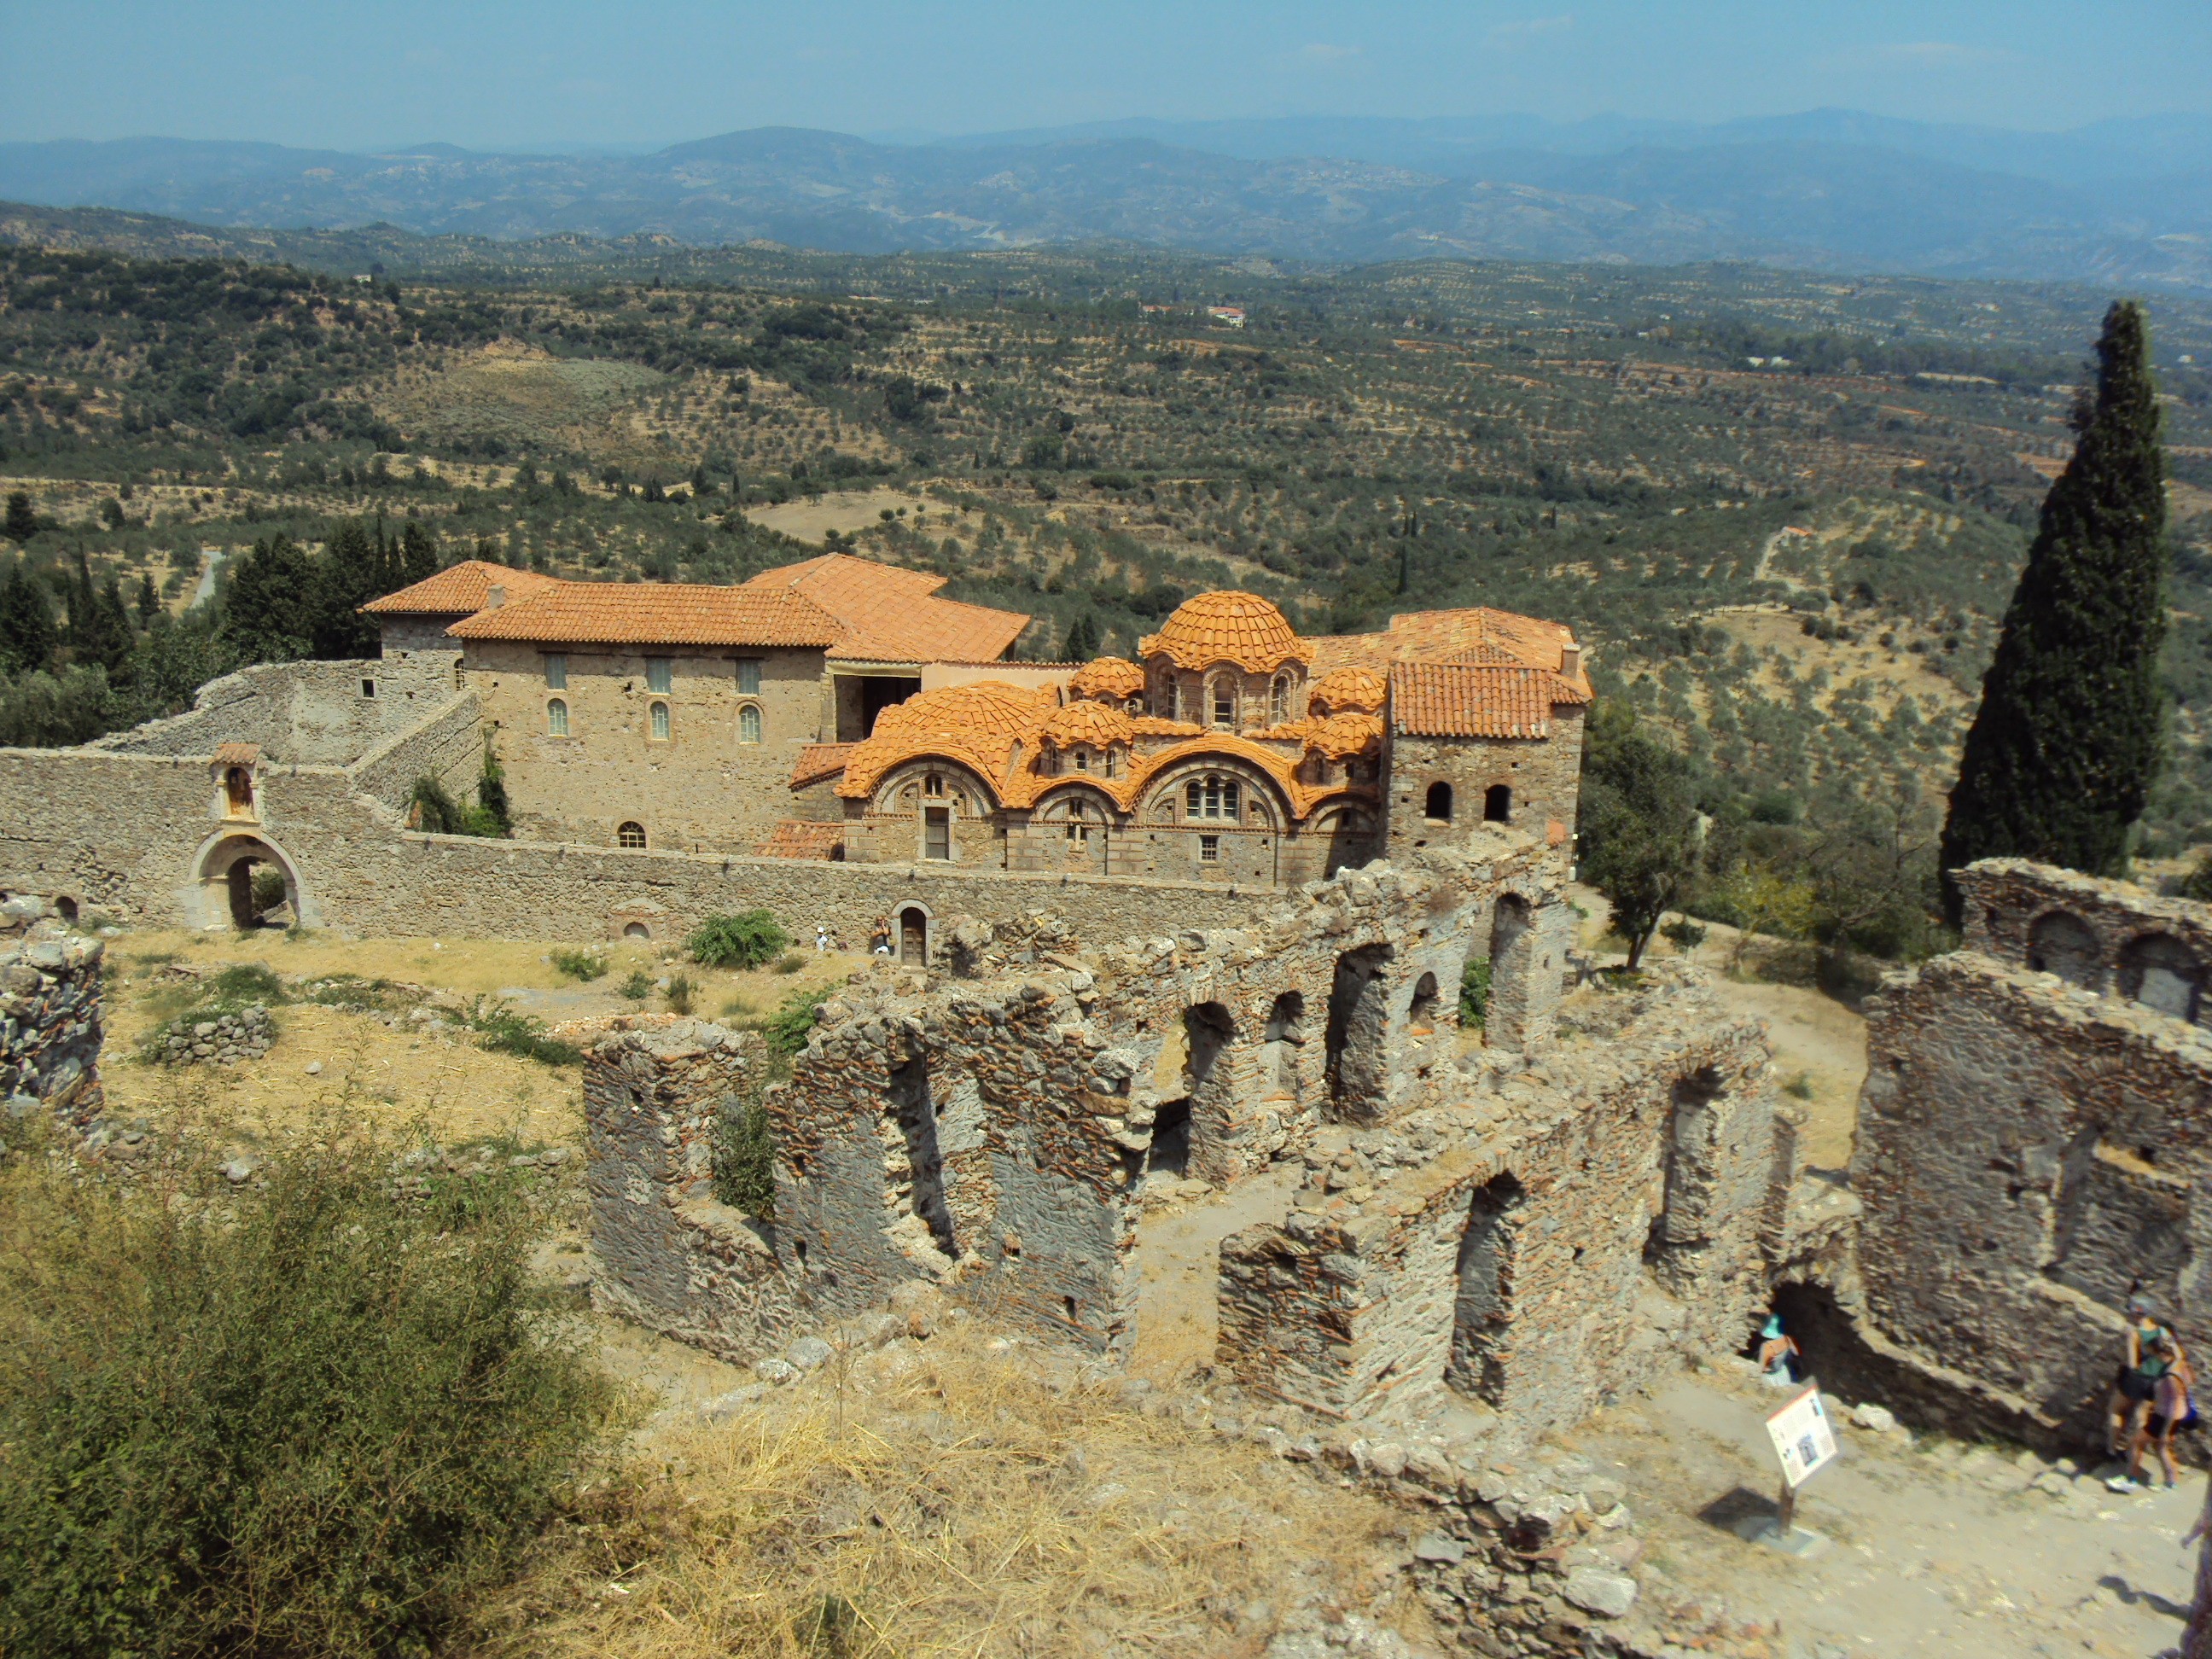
1229, 627
1355, 688
1095, 723
1109, 679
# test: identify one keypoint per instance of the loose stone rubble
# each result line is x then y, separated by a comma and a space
221, 1039
51, 1027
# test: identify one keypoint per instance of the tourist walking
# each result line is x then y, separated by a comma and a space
2172, 1409
1777, 1355
2135, 1389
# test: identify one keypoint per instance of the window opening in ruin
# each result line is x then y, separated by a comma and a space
1279, 1041
637, 930
660, 714
556, 671
749, 724
914, 936
237, 789
1512, 942
923, 1193
1209, 849
557, 719
631, 833
1438, 808
2160, 972
1497, 804
659, 675
937, 832
1421, 1012
368, 688
1170, 1152
1359, 1021
65, 907
1684, 1213
1068, 1303
1482, 1310
749, 677
2063, 944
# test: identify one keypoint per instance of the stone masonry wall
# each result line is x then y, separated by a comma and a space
2107, 936
1583, 1218
2030, 1151
51, 1027
309, 714
1544, 775
671, 1257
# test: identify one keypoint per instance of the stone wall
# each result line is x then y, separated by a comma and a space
51, 1027
309, 714
1542, 776
1539, 1239
2105, 936
2031, 1151
671, 1257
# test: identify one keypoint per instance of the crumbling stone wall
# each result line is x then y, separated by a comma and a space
51, 1027
2030, 1151
1538, 1239
308, 713
2105, 936
672, 1256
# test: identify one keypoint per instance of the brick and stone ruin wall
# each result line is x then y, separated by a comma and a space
51, 1026
2035, 1143
1533, 1223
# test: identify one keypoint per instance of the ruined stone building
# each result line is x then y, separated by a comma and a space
2035, 1145
1524, 1227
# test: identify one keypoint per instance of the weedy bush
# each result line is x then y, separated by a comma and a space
508, 1030
638, 987
789, 963
680, 991
309, 1418
1474, 993
744, 1157
586, 965
787, 1029
748, 940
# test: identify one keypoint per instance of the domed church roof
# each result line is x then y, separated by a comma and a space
1229, 627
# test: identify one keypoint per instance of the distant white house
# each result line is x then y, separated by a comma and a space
1231, 315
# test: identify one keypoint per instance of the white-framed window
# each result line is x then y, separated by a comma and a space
631, 835
749, 723
659, 716
1211, 797
660, 675
556, 718
1209, 849
1278, 708
368, 688
1083, 759
1225, 701
556, 671
749, 670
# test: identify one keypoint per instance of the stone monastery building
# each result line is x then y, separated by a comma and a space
838, 708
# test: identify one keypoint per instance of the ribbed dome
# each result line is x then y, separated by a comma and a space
1095, 723
984, 708
1359, 688
1241, 629
1112, 678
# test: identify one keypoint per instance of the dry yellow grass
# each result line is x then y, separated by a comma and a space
943, 1499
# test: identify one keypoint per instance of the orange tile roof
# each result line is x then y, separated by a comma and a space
891, 614
237, 754
1348, 689
1084, 721
460, 590
1477, 634
1241, 629
654, 613
802, 838
817, 761
979, 725
1477, 699
1107, 676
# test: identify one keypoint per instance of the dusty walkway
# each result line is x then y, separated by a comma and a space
1967, 1551
1179, 1269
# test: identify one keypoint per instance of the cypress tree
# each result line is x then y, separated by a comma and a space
2065, 746
265, 602
26, 623
419, 556
356, 567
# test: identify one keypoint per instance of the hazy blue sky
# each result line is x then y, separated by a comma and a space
557, 73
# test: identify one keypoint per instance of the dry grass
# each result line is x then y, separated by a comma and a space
961, 1497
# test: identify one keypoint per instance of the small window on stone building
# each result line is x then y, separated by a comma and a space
1439, 807
1111, 769
1209, 849
1083, 759
749, 677
749, 724
932, 784
658, 677
660, 717
1078, 831
937, 833
1211, 797
1497, 804
368, 688
1278, 703
556, 671
556, 718
1225, 701
630, 835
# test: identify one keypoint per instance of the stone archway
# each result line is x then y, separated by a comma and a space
222, 880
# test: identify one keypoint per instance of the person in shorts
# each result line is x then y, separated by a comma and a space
2171, 1409
2135, 1387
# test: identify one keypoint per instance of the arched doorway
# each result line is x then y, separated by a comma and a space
247, 881
914, 935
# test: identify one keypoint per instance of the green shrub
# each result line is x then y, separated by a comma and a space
787, 1029
1686, 934
2197, 884
638, 987
747, 939
789, 963
508, 1030
243, 983
313, 1419
744, 1158
586, 965
268, 887
1474, 993
678, 993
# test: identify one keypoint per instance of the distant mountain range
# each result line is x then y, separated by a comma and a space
2124, 203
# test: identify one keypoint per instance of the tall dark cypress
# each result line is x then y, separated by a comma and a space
2065, 746
26, 623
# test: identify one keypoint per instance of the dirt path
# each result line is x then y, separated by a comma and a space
1179, 1267
1936, 1548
